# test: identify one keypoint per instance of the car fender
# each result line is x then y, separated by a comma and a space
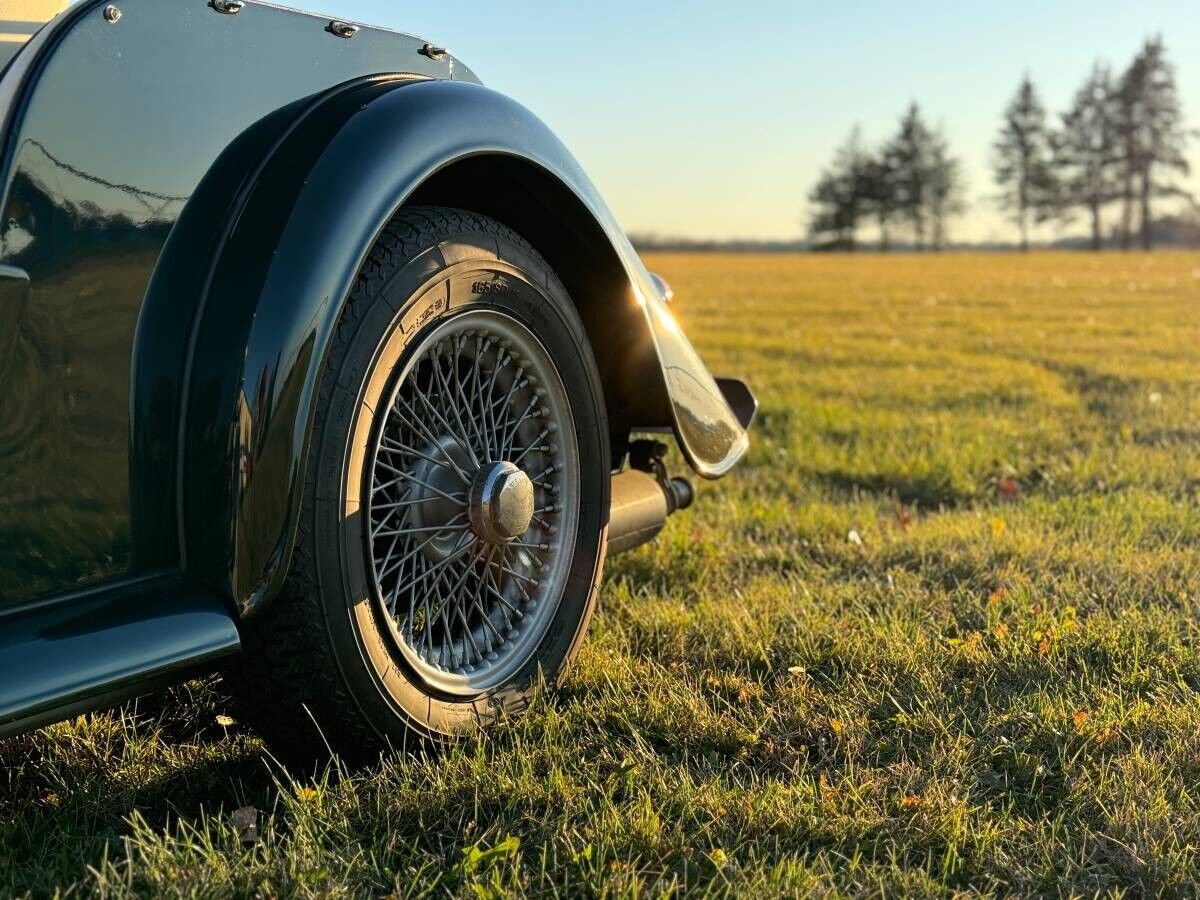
287, 268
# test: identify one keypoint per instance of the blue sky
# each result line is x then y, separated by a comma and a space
711, 119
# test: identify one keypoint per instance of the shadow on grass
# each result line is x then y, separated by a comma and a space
67, 793
1104, 395
925, 490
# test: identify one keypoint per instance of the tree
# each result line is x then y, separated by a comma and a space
912, 178
946, 189
879, 192
1152, 137
1086, 150
908, 156
839, 197
1022, 161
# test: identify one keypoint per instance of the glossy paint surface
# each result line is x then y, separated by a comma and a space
58, 657
14, 298
113, 130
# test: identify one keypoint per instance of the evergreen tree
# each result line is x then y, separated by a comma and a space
946, 189
1022, 161
1152, 137
909, 156
838, 199
879, 190
1086, 152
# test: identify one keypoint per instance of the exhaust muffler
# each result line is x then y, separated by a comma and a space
640, 506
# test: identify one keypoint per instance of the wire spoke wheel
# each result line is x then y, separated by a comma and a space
450, 538
473, 501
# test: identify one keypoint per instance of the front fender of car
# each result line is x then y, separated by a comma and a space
293, 256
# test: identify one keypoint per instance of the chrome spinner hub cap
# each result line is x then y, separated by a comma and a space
501, 502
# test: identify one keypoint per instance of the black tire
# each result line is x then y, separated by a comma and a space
321, 668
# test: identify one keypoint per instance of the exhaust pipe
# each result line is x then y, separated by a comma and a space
640, 506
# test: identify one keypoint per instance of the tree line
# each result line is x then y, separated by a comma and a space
1121, 142
912, 182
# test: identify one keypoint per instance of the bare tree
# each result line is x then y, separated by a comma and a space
1022, 161
1152, 137
1086, 150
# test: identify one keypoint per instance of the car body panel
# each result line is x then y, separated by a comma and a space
64, 656
122, 123
190, 195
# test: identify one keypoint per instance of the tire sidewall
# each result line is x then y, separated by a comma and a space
461, 274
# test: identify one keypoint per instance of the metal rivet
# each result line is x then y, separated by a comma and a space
228, 7
433, 52
343, 29
111, 14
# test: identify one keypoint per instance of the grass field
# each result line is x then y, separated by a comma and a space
938, 632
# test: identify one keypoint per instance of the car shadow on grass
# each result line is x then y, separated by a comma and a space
68, 793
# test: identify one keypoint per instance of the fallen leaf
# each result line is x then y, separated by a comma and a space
1044, 647
1079, 718
245, 820
910, 801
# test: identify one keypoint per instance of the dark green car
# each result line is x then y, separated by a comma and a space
320, 363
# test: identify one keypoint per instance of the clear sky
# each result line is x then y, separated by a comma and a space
706, 119
711, 119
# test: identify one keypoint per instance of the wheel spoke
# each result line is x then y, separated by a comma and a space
486, 396
458, 435
463, 433
459, 498
416, 551
504, 602
429, 529
511, 434
536, 445
476, 403
398, 447
472, 423
428, 435
540, 547
405, 504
